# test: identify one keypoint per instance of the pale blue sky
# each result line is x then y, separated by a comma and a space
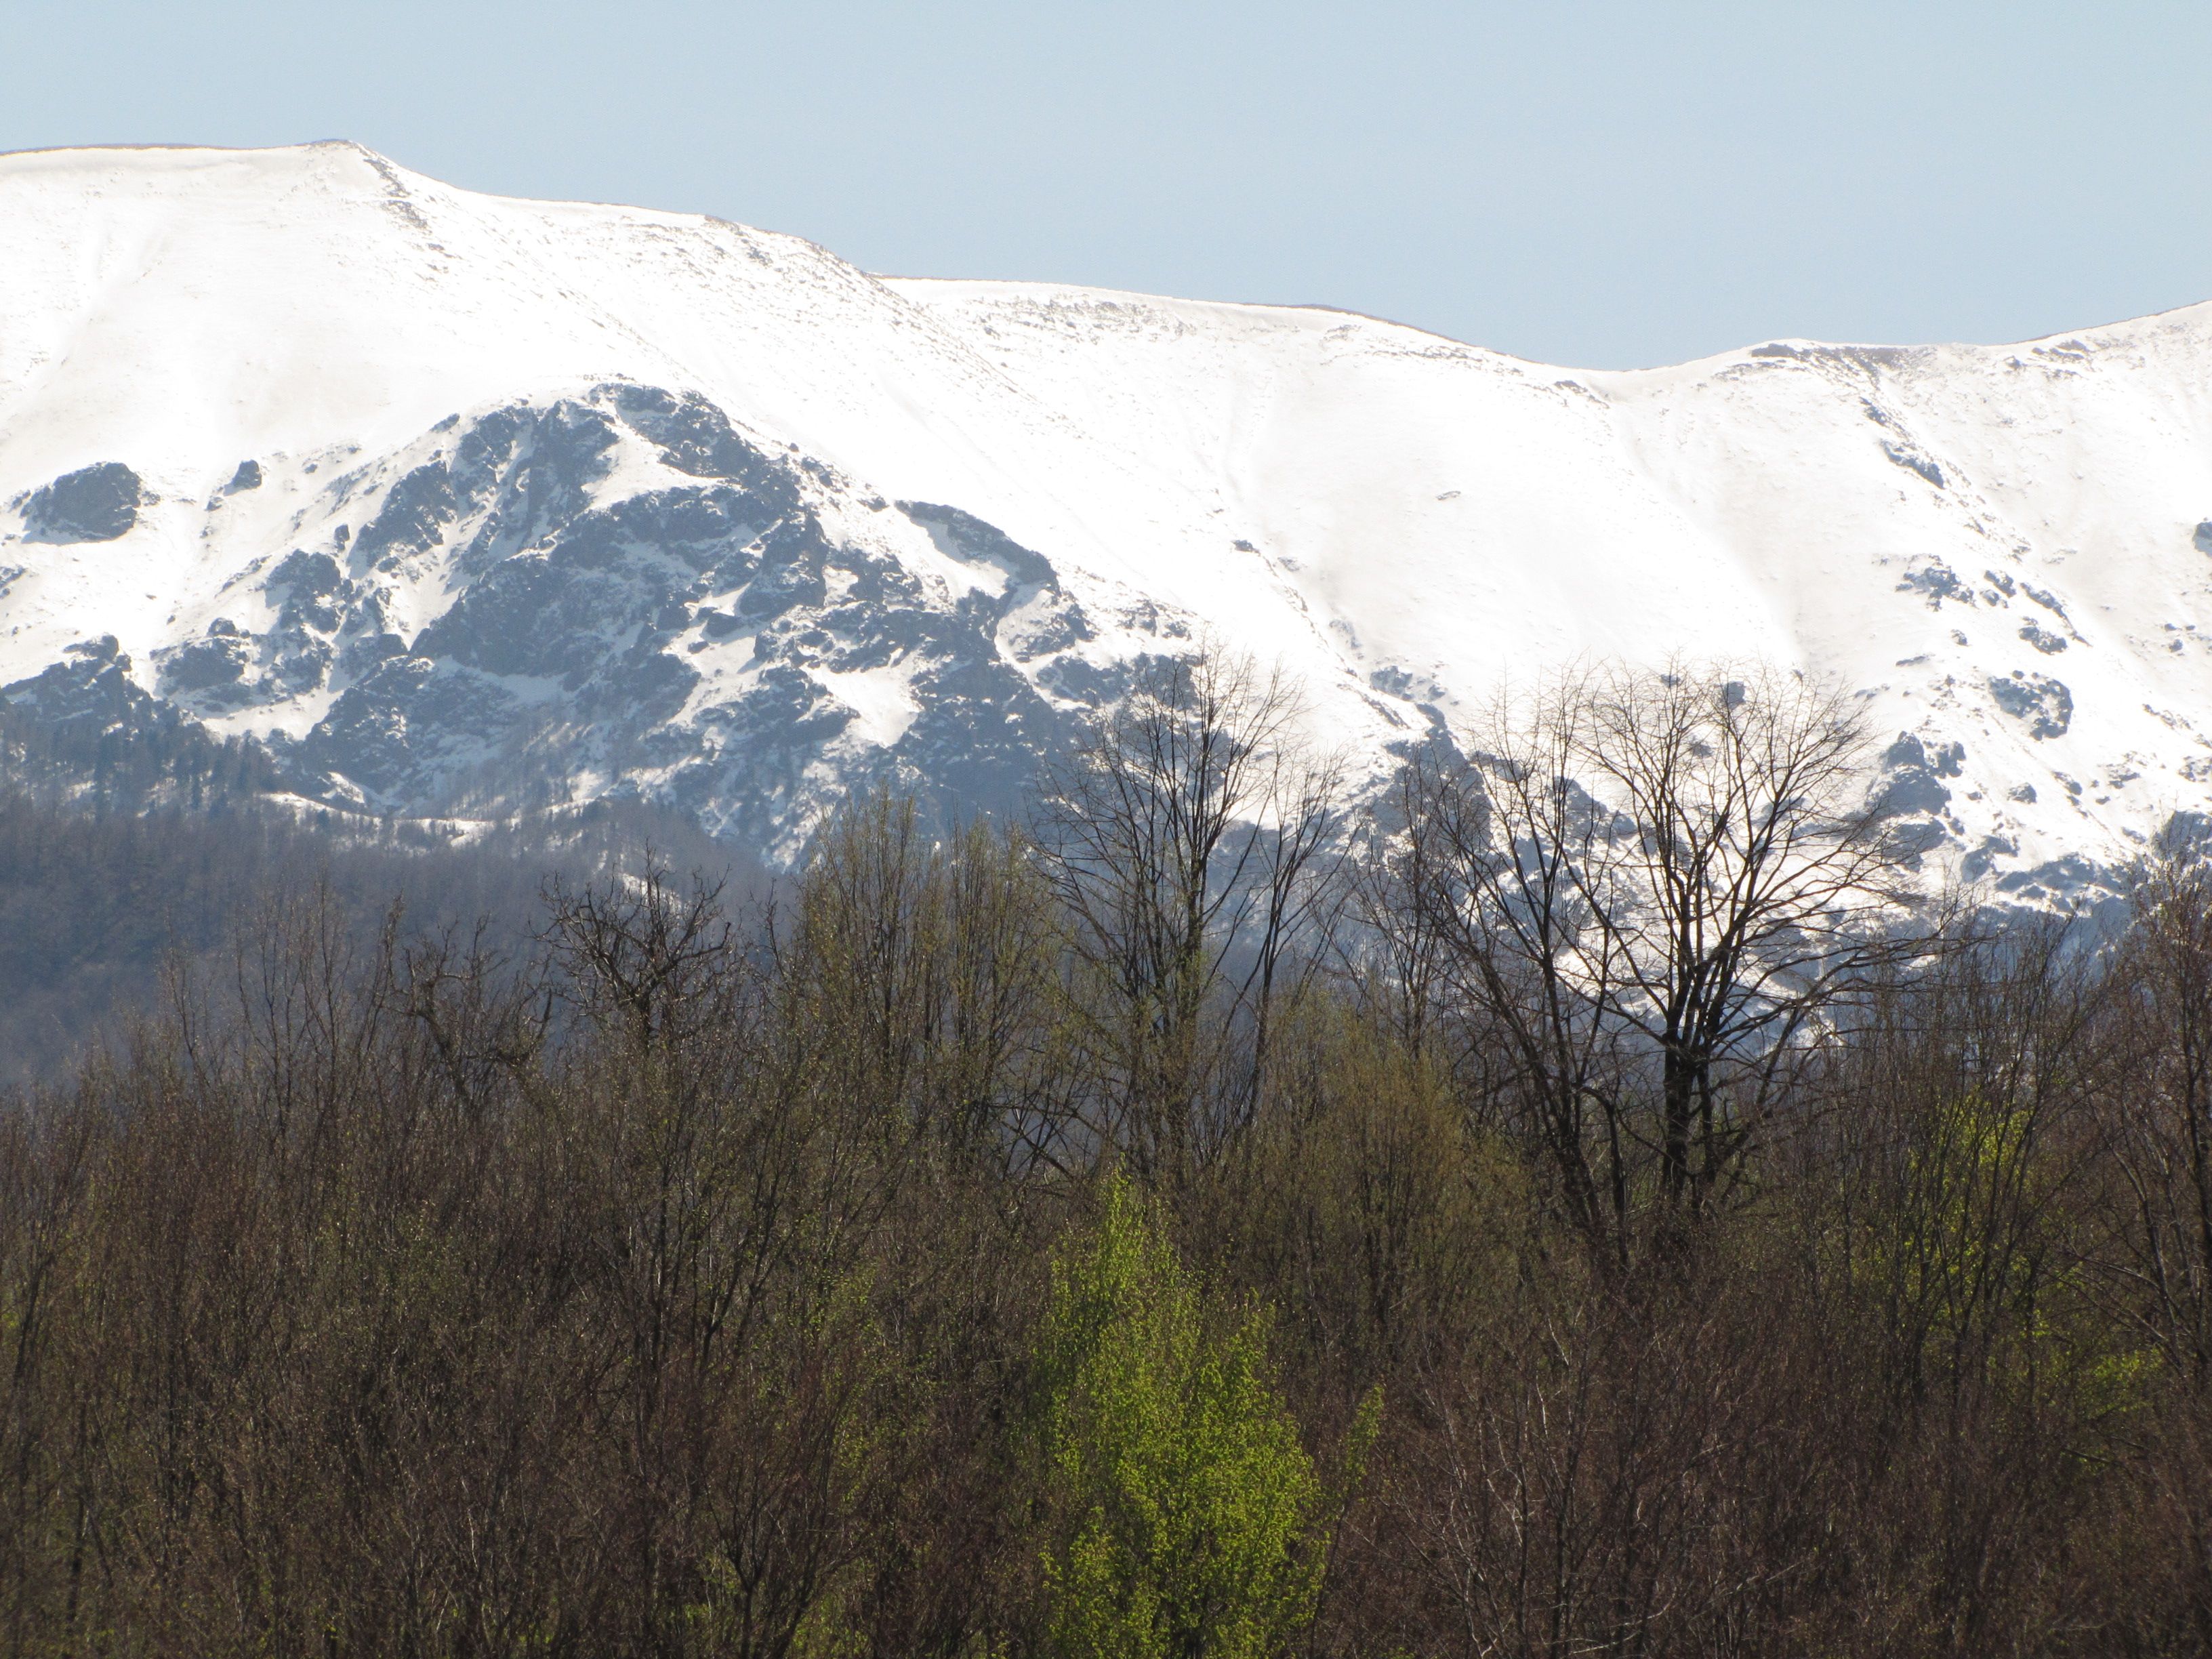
1597, 183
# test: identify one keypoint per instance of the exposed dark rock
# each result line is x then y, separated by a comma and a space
401, 732
88, 700
2044, 703
2075, 882
1912, 788
964, 536
1909, 842
1939, 582
95, 503
982, 734
208, 664
1977, 864
1912, 461
2185, 834
694, 436
1086, 682
415, 513
309, 585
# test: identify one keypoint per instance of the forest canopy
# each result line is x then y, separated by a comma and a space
1597, 1200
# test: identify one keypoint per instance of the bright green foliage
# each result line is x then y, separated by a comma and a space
1186, 1515
1974, 1279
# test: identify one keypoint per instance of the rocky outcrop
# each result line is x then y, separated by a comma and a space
621, 592
98, 503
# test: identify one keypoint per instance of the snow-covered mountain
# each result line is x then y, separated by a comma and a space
454, 498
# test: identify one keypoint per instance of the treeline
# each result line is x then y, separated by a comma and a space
96, 906
1594, 1207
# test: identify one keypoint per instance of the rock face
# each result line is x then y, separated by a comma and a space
98, 503
88, 698
2044, 705
622, 584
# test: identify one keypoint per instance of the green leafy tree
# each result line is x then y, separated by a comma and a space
1187, 1518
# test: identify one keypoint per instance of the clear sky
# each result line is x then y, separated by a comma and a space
1588, 182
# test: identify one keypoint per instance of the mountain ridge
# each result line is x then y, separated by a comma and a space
1995, 545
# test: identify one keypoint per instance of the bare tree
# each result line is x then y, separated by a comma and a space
1396, 955
1748, 888
1186, 843
1672, 872
2163, 1133
1522, 862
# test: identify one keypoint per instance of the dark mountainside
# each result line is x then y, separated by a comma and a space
108, 891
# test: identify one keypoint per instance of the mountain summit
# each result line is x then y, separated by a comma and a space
456, 501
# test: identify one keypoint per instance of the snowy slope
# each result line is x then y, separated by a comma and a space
561, 499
